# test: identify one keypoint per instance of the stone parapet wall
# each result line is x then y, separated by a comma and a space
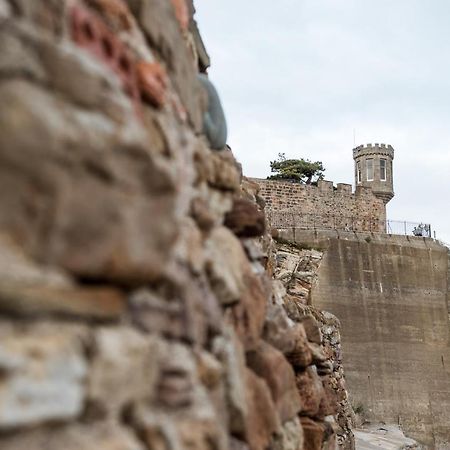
325, 206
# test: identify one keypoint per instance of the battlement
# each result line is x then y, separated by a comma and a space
376, 148
323, 186
325, 201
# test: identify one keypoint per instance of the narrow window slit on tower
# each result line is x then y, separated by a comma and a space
369, 163
382, 169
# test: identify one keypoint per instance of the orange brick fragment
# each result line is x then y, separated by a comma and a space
153, 81
90, 32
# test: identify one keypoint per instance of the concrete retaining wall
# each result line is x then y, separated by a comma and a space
390, 293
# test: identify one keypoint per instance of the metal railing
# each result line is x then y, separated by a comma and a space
295, 219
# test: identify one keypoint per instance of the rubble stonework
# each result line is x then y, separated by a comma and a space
297, 268
137, 306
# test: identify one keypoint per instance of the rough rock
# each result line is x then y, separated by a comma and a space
300, 356
106, 237
279, 330
311, 391
229, 351
270, 364
248, 315
313, 432
245, 220
226, 265
43, 374
105, 435
312, 329
262, 421
89, 303
124, 362
290, 437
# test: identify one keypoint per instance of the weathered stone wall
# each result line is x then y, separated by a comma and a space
137, 309
297, 269
322, 206
390, 294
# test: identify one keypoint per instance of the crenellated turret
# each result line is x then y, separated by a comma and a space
373, 168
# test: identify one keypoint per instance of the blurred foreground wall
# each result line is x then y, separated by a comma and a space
137, 305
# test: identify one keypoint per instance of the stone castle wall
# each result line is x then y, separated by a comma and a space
322, 206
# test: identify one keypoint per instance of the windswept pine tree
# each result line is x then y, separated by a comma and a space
298, 170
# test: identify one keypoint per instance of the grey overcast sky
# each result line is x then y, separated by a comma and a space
298, 76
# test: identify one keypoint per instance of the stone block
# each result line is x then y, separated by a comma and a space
226, 265
270, 364
312, 329
236, 444
190, 246
107, 237
176, 379
29, 290
48, 15
279, 330
154, 314
202, 435
290, 437
180, 413
210, 370
188, 311
203, 217
16, 269
249, 314
254, 250
262, 420
153, 82
124, 369
225, 172
329, 404
102, 435
300, 356
43, 374
98, 303
311, 391
230, 353
313, 433
245, 219
318, 353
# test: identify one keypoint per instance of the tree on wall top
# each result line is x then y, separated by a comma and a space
300, 170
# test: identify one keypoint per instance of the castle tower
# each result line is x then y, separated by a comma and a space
373, 168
